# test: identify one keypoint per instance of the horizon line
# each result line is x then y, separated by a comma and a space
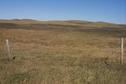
35, 19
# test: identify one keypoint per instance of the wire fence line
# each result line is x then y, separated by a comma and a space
9, 51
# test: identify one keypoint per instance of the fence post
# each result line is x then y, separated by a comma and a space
122, 50
8, 48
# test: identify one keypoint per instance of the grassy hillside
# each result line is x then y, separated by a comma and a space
61, 52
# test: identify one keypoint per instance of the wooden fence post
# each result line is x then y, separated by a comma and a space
8, 48
122, 50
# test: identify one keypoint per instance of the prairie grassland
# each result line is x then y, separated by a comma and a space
51, 56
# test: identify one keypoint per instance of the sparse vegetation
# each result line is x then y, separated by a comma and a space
61, 53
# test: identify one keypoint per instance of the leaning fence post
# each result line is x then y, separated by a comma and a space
8, 48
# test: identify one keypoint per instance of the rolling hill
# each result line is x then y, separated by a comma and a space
61, 52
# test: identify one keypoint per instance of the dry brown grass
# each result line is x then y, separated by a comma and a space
48, 56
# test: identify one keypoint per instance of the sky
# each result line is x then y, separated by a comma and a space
113, 11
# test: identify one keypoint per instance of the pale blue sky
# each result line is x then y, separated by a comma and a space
91, 10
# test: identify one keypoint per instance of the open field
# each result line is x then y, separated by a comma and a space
61, 52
